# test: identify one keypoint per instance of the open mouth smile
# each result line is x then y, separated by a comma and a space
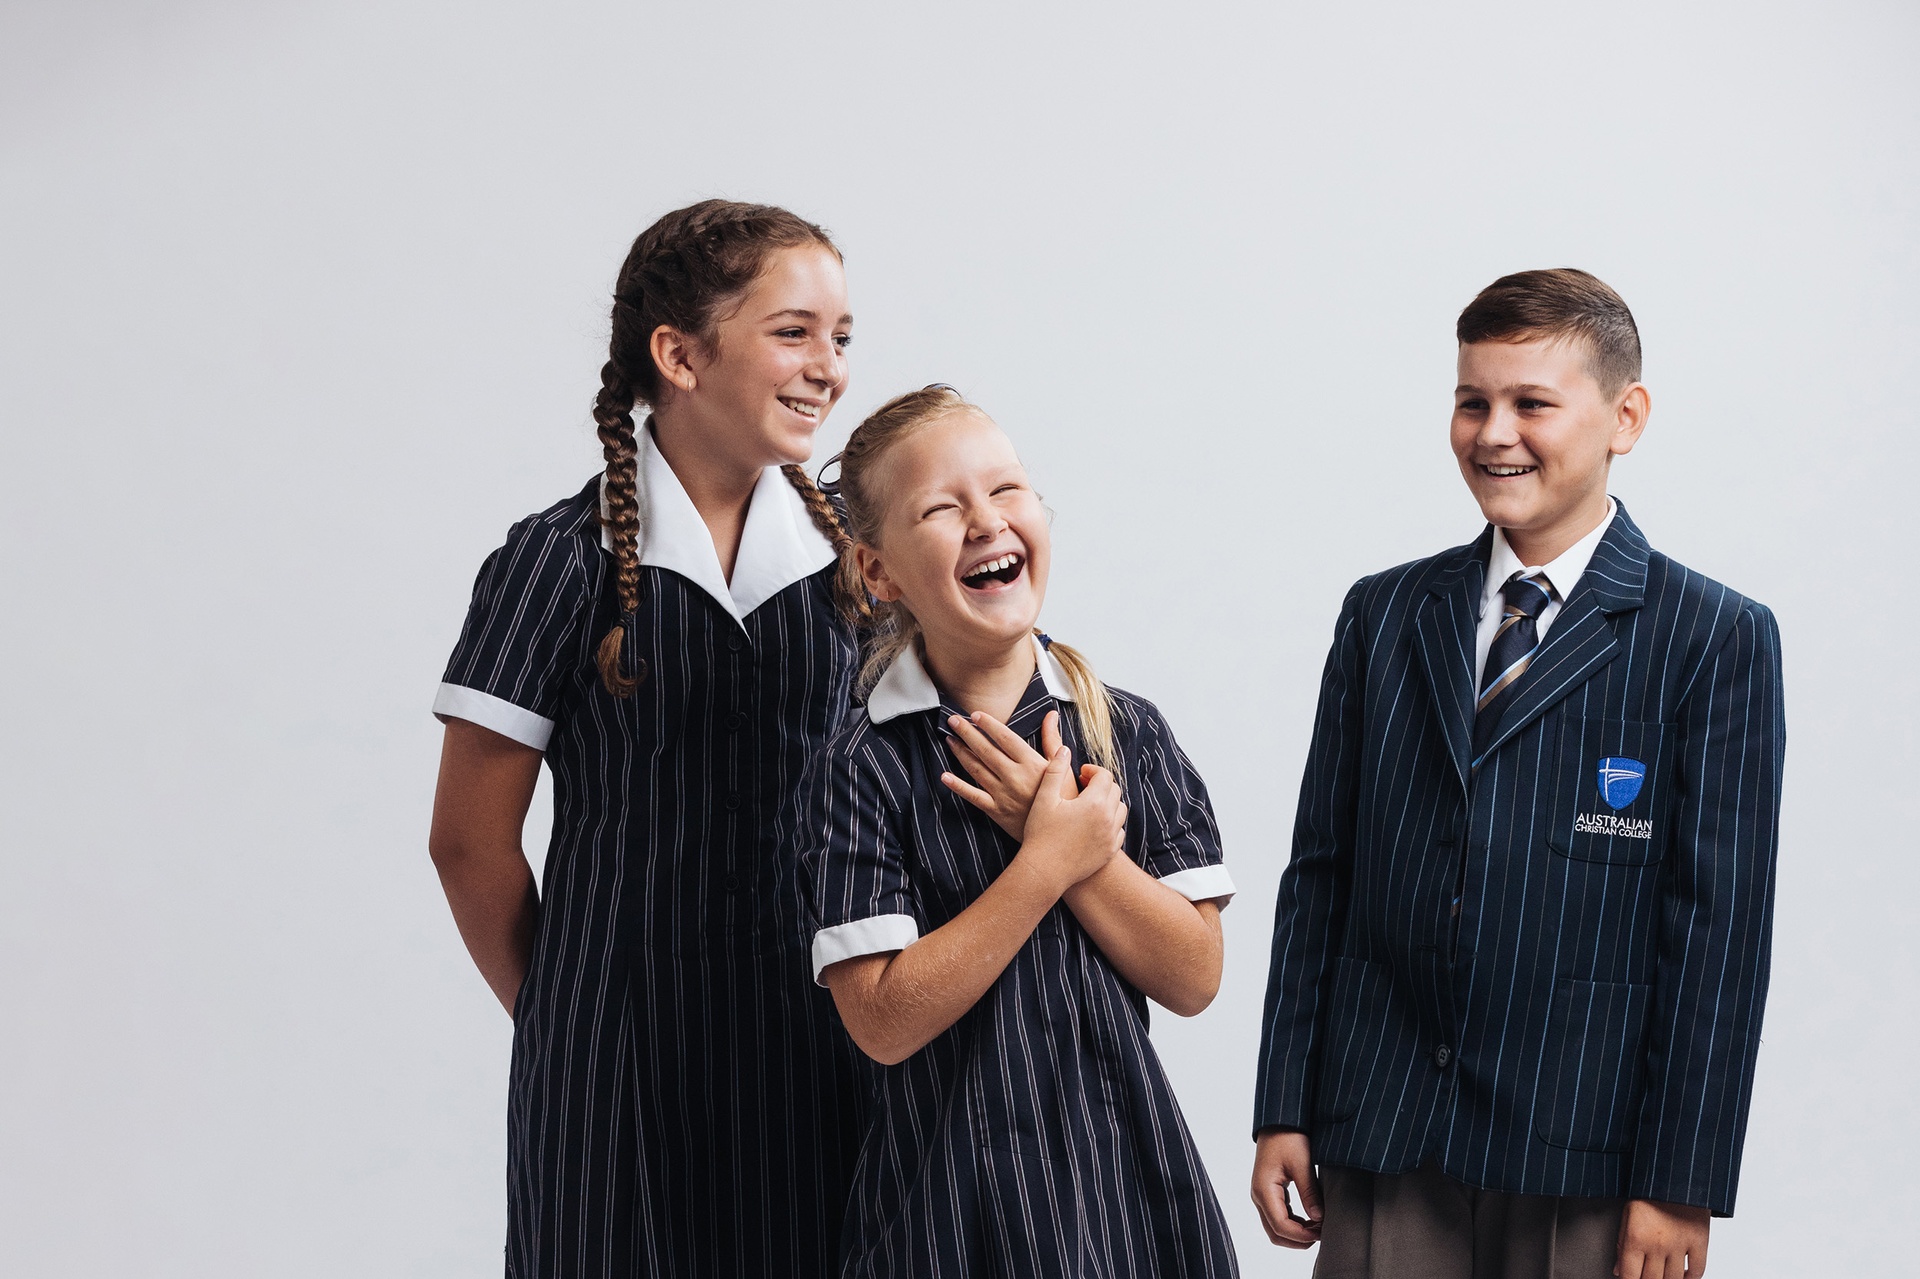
1001, 570
805, 408
1506, 472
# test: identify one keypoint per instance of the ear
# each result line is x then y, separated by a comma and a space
874, 573
1629, 419
673, 353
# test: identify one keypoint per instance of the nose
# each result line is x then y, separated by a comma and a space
984, 522
827, 365
1500, 428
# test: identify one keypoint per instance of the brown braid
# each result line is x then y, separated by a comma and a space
855, 605
613, 410
681, 273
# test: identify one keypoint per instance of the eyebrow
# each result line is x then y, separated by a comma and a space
1522, 388
802, 313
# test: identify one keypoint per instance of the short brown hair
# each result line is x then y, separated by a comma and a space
1561, 303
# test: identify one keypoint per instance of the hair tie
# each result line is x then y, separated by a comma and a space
1046, 640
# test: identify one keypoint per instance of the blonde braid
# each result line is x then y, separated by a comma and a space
1092, 704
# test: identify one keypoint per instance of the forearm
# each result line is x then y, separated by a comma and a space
893, 1006
1168, 947
496, 907
479, 807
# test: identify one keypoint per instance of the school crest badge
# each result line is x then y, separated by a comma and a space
1620, 780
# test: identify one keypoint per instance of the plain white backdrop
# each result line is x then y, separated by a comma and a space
301, 306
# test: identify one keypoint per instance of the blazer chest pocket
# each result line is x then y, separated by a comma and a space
1614, 783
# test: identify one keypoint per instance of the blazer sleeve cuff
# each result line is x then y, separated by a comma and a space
1712, 1192
876, 935
1202, 884
456, 701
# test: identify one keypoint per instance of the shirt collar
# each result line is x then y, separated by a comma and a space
779, 545
1564, 573
906, 687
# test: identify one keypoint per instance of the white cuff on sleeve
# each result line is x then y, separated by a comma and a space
455, 701
872, 936
1202, 884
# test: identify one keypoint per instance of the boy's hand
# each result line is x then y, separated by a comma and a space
1070, 832
1007, 770
1281, 1159
1662, 1241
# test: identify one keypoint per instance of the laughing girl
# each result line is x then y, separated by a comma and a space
991, 944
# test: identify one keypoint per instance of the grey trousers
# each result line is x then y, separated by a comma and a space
1426, 1225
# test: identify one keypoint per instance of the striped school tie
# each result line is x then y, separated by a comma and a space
1514, 645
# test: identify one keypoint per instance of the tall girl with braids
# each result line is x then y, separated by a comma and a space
667, 640
992, 943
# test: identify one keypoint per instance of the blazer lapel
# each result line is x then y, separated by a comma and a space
1581, 639
1445, 627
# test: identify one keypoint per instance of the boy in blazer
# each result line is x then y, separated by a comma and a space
1521, 948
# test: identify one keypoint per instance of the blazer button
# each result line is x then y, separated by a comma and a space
1442, 1056
736, 642
736, 722
733, 802
732, 883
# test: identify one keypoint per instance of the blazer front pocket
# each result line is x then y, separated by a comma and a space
1613, 790
1356, 1037
1589, 1095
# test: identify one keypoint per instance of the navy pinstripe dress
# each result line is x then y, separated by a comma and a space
1038, 1135
681, 1096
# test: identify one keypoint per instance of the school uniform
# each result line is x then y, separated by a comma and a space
1529, 949
1038, 1135
681, 1098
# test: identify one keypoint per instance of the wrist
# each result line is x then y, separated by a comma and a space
1080, 887
1040, 864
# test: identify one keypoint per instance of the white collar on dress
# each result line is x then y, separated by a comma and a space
778, 547
1564, 573
906, 687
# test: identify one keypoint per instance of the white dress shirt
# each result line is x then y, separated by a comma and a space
1562, 574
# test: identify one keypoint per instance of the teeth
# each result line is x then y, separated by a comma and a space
1508, 470
992, 566
801, 407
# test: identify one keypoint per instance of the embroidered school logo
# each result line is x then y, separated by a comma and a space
1620, 780
1617, 827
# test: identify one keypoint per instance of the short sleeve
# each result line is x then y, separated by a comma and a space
852, 865
1179, 840
525, 636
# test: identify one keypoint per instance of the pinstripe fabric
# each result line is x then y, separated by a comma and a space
681, 1098
1600, 1004
1038, 1136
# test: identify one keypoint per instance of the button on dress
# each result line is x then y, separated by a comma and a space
1038, 1136
682, 1096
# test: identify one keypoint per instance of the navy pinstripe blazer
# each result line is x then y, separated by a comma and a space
1587, 1023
